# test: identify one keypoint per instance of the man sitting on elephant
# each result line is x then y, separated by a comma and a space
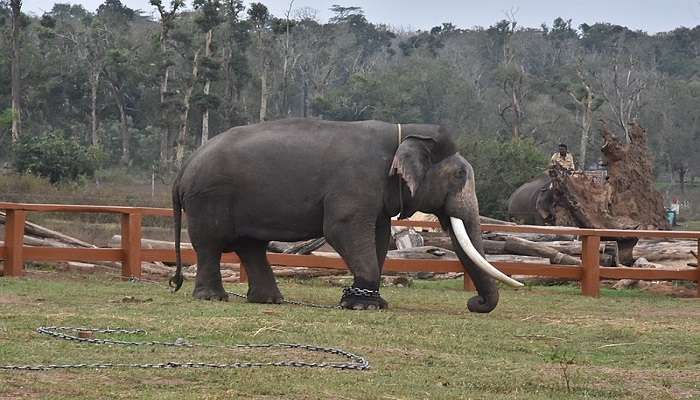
563, 159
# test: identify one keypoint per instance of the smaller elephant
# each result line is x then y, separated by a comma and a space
533, 203
300, 179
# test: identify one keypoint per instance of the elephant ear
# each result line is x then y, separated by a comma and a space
412, 160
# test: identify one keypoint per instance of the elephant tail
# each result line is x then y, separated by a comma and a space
176, 281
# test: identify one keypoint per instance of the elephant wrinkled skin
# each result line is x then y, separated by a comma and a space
299, 179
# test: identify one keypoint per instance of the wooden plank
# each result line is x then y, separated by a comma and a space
71, 254
544, 270
230, 258
555, 230
14, 240
168, 255
242, 274
157, 212
2, 253
417, 224
131, 245
151, 211
311, 261
648, 274
563, 230
67, 208
590, 260
468, 283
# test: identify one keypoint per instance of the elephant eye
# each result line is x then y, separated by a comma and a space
460, 174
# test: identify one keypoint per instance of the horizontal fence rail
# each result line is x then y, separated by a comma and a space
14, 253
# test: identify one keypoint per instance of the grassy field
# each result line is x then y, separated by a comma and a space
628, 344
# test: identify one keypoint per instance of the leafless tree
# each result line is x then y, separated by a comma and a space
16, 7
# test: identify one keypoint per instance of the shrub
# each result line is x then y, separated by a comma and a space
500, 168
55, 157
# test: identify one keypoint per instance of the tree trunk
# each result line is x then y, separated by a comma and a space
228, 89
586, 122
516, 113
123, 128
94, 84
16, 6
166, 19
165, 125
306, 99
205, 115
681, 178
180, 152
263, 92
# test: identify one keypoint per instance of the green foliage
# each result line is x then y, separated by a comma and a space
55, 157
210, 14
501, 167
487, 81
258, 15
5, 119
426, 91
14, 184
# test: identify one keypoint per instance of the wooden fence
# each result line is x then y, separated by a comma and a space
14, 254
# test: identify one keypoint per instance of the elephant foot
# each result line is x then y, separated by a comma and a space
205, 293
362, 299
264, 296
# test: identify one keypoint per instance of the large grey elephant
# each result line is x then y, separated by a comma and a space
299, 179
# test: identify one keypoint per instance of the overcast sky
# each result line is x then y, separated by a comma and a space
648, 15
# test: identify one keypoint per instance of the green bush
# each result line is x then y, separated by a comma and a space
500, 168
55, 157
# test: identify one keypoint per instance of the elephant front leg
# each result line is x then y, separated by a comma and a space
355, 242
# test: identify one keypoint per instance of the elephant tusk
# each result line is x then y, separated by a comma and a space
466, 244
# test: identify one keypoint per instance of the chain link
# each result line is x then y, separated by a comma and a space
353, 291
293, 302
348, 291
355, 362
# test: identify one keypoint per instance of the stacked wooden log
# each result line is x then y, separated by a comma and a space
37, 235
554, 249
40, 236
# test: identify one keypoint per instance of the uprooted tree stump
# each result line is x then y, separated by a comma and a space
624, 197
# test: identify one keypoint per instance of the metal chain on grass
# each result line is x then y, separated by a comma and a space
242, 296
355, 362
293, 302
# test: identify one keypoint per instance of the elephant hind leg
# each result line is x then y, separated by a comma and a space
208, 285
262, 287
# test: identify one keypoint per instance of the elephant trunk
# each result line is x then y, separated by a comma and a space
469, 249
486, 288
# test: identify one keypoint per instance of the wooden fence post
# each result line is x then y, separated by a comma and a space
131, 244
14, 240
468, 283
590, 260
243, 274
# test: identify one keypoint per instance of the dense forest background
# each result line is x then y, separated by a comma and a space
114, 87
